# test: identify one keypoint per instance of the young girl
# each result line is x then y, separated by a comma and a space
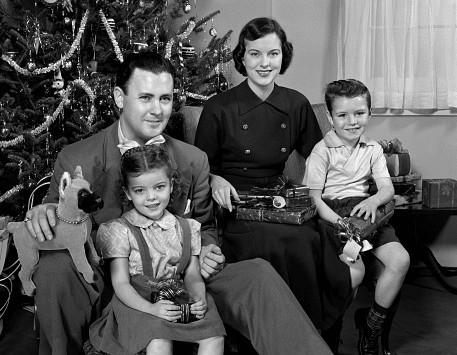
337, 172
133, 321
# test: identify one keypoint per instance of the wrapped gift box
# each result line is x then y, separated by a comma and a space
439, 193
287, 215
302, 201
295, 191
398, 164
404, 188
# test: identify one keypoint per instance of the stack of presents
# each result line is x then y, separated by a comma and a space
284, 202
436, 193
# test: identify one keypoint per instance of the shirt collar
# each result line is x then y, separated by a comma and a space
167, 221
248, 100
331, 140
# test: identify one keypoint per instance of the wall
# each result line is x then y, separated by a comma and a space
311, 26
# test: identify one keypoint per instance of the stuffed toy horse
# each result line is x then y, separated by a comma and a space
72, 231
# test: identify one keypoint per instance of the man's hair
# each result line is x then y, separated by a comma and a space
258, 28
150, 61
348, 88
140, 160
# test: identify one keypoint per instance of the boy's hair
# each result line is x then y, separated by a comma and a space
348, 88
150, 61
140, 160
258, 28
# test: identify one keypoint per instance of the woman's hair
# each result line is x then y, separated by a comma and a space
141, 160
258, 28
348, 88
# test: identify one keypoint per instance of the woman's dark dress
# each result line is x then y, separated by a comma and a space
248, 141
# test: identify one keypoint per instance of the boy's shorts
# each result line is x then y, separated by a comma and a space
343, 208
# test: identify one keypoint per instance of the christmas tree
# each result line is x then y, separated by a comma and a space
59, 59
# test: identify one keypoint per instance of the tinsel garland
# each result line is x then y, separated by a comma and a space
111, 36
50, 119
181, 37
11, 192
53, 66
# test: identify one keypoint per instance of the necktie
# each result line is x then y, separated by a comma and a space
129, 144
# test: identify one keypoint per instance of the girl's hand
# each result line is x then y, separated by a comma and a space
167, 310
199, 308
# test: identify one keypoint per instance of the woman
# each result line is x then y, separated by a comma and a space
248, 132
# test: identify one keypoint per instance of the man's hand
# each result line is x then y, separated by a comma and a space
222, 190
40, 219
211, 261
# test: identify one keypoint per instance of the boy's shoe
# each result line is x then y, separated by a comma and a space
368, 339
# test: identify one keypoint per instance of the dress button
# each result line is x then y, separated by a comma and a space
245, 126
283, 126
283, 150
247, 151
245, 169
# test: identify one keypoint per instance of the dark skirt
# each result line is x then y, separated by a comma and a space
122, 330
298, 255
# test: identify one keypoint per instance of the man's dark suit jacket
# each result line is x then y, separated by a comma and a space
99, 158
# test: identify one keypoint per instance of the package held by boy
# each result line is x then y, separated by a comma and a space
439, 193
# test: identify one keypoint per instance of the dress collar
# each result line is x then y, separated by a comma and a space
167, 221
248, 100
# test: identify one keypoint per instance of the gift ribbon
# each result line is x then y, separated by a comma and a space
392, 147
350, 235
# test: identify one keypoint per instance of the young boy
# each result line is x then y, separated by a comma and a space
337, 172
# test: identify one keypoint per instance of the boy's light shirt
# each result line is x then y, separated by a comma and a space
338, 173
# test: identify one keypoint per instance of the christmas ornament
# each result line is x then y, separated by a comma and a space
30, 184
50, 1
213, 32
11, 55
4, 130
223, 86
92, 66
186, 8
101, 102
58, 82
138, 47
31, 65
66, 20
67, 65
188, 51
111, 23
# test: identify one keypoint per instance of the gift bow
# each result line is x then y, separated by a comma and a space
392, 147
348, 232
129, 144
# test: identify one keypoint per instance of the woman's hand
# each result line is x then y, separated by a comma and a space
199, 308
222, 190
167, 310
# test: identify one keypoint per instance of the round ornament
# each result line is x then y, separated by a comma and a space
186, 8
66, 20
213, 32
67, 65
138, 47
101, 102
31, 65
4, 131
223, 86
30, 184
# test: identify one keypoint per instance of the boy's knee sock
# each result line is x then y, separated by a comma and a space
375, 319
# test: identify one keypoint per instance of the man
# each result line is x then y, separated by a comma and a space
251, 297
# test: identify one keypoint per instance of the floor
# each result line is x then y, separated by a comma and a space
425, 324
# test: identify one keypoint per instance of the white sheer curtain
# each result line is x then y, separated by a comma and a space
405, 51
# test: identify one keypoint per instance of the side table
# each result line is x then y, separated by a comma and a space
410, 235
